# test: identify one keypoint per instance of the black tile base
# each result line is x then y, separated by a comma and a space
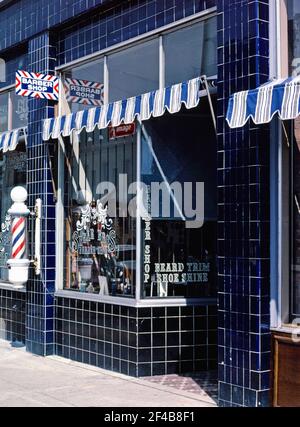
137, 341
12, 315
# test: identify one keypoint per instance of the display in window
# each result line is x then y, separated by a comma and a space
100, 243
13, 166
179, 252
96, 265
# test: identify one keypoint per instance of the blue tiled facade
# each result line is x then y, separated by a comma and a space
244, 218
47, 34
40, 289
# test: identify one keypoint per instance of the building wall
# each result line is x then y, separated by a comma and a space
12, 315
129, 19
137, 341
24, 18
48, 328
243, 189
244, 216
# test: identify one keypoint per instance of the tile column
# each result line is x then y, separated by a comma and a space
244, 211
40, 290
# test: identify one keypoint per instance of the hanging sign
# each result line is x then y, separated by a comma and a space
37, 85
122, 131
84, 92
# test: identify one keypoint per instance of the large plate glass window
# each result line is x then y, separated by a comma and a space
101, 238
191, 52
293, 164
178, 167
93, 72
19, 113
12, 173
13, 111
3, 112
134, 71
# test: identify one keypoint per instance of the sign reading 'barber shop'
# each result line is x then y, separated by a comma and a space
37, 85
84, 92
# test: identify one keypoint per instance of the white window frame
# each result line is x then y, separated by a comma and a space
280, 305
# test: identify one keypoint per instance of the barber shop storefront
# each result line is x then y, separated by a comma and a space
124, 168
137, 212
159, 233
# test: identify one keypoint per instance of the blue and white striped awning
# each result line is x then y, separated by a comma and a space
10, 139
142, 107
280, 97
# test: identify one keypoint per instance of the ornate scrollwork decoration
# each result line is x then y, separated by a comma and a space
85, 218
99, 214
5, 226
92, 216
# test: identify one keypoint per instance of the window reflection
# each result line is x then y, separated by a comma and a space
12, 173
179, 262
191, 52
4, 112
93, 72
101, 243
19, 110
134, 71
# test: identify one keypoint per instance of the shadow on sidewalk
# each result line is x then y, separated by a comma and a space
201, 383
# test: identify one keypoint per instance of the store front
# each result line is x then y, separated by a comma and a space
138, 186
155, 230
13, 169
277, 103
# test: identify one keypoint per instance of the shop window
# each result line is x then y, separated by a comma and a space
19, 114
13, 111
93, 72
290, 153
179, 151
12, 173
295, 221
101, 241
134, 71
166, 59
191, 52
3, 112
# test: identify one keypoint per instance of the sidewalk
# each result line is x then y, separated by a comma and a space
28, 380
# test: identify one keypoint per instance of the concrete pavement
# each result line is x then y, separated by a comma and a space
31, 381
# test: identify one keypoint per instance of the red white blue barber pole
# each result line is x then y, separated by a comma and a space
18, 238
18, 265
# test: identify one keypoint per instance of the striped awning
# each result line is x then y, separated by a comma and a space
280, 97
10, 139
142, 107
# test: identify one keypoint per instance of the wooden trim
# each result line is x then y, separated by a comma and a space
275, 386
277, 339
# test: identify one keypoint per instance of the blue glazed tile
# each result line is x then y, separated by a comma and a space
243, 64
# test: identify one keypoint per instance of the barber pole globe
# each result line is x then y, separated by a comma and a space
18, 238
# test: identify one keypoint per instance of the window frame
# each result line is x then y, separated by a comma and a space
9, 90
156, 34
137, 301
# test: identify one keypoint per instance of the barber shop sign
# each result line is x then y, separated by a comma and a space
37, 85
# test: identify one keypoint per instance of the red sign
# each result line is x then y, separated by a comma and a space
122, 131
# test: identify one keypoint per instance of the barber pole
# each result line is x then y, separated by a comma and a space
18, 238
18, 266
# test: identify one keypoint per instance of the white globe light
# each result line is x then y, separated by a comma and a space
19, 195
